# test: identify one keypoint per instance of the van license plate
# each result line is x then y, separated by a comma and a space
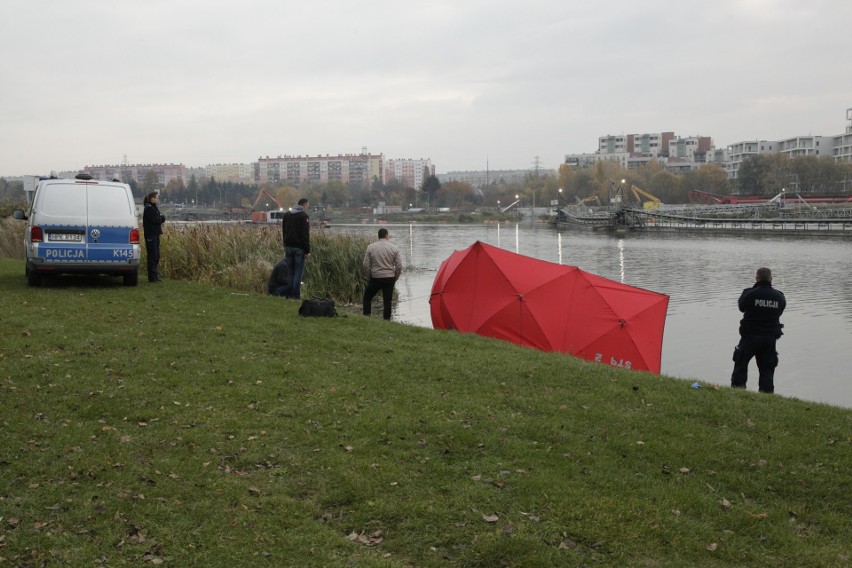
65, 237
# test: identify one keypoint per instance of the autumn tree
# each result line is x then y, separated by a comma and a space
150, 182
710, 178
430, 188
456, 194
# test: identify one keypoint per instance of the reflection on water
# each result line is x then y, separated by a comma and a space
703, 275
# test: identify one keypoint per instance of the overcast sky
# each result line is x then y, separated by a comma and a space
463, 82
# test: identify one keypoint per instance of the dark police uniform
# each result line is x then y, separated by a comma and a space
152, 225
762, 306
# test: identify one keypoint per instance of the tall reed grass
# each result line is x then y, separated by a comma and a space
242, 256
12, 238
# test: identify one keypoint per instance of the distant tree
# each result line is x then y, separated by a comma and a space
151, 182
174, 188
336, 194
710, 178
456, 194
430, 188
191, 189
666, 187
750, 176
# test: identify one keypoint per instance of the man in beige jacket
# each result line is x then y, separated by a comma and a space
382, 267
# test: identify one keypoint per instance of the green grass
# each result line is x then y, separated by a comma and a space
191, 425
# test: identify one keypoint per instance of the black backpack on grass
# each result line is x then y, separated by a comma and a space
317, 307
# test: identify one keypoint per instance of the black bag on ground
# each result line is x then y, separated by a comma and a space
317, 307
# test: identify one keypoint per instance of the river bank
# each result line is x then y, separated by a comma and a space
702, 273
186, 424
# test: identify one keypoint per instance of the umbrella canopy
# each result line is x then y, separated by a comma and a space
496, 293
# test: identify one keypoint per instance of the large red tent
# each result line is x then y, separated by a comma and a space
496, 293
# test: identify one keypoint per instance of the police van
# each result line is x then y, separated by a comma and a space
81, 226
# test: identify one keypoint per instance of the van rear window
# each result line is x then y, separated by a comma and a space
106, 201
64, 200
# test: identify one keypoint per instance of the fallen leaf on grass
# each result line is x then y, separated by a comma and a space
490, 518
725, 504
372, 539
758, 515
148, 557
712, 547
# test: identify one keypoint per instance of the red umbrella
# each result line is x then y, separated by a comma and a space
493, 292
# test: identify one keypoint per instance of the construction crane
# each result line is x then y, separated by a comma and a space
590, 200
266, 216
653, 202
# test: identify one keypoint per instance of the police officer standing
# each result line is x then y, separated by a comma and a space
762, 306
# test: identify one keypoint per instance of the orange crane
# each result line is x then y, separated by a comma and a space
266, 216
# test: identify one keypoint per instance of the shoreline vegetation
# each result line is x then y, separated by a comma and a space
200, 423
241, 257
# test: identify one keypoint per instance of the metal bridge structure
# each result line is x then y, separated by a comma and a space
772, 216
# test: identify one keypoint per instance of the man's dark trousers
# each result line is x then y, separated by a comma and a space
762, 348
373, 287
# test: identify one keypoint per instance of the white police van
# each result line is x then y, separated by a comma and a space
81, 225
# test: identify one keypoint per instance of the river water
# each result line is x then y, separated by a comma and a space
703, 274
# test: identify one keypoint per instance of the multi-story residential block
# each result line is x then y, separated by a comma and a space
237, 173
350, 169
652, 144
198, 172
482, 178
692, 148
741, 151
806, 146
410, 172
717, 156
842, 143
589, 160
609, 144
127, 173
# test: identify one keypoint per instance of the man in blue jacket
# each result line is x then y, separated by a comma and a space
296, 230
762, 306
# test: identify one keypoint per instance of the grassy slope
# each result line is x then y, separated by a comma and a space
189, 425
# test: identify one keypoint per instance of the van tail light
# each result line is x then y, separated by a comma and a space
134, 236
36, 234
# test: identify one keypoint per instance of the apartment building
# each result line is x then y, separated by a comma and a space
799, 146
842, 143
690, 148
350, 169
410, 172
609, 144
649, 144
236, 173
137, 172
741, 151
482, 178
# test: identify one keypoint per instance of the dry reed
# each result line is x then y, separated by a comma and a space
241, 256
